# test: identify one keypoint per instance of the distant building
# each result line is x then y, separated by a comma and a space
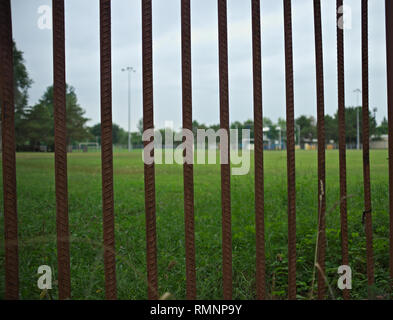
266, 142
381, 142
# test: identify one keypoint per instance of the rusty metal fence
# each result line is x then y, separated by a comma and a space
64, 278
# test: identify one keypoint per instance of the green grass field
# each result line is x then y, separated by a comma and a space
37, 230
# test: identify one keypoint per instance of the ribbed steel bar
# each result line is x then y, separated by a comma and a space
149, 172
8, 153
290, 151
389, 60
107, 150
321, 149
188, 170
258, 159
366, 147
342, 140
225, 167
59, 98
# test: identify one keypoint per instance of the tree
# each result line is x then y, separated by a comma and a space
273, 133
95, 131
383, 128
136, 139
236, 125
40, 127
195, 126
22, 84
307, 128
140, 126
351, 124
215, 127
249, 124
119, 135
39, 121
331, 129
267, 122
282, 123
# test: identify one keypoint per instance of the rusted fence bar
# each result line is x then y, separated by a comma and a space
258, 159
225, 167
59, 101
290, 151
62, 223
107, 151
342, 141
366, 148
389, 67
8, 153
321, 149
149, 172
188, 170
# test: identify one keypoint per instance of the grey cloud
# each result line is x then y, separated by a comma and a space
82, 49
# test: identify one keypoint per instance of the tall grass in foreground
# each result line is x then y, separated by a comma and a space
37, 229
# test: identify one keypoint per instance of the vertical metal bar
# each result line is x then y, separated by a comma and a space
290, 151
258, 137
366, 147
59, 99
321, 149
148, 124
188, 170
8, 153
389, 60
225, 167
342, 141
107, 150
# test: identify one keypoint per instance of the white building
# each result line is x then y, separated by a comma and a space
382, 143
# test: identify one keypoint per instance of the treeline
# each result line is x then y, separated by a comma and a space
306, 127
34, 125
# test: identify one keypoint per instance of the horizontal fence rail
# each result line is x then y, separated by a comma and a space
108, 205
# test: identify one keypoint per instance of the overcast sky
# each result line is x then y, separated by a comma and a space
82, 57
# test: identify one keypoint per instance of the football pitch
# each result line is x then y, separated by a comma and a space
37, 226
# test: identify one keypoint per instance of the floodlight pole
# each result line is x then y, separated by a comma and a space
279, 128
357, 129
358, 92
129, 70
298, 132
